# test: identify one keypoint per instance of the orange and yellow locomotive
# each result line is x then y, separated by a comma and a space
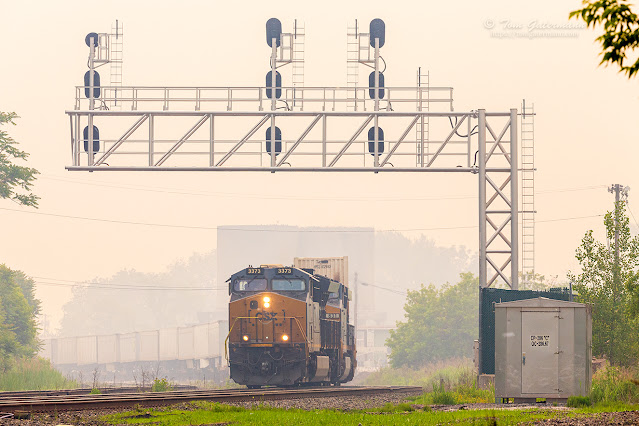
289, 326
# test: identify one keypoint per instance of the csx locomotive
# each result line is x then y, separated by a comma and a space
289, 327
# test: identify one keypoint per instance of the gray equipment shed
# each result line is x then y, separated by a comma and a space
542, 349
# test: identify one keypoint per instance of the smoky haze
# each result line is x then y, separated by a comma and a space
195, 290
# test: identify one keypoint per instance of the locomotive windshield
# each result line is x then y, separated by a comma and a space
284, 284
255, 284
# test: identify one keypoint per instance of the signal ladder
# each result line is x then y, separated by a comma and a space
527, 193
423, 125
116, 47
352, 65
298, 65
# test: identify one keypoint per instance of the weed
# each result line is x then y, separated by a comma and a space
161, 385
615, 384
399, 408
578, 401
95, 391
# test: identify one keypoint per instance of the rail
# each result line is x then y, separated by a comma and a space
154, 399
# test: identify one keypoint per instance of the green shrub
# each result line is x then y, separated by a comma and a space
161, 385
95, 391
578, 401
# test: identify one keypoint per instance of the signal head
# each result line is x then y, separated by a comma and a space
377, 29
273, 31
90, 36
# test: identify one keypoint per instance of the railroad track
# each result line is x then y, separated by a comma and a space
58, 403
85, 391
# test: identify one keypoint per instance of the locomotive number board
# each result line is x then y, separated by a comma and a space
284, 271
253, 271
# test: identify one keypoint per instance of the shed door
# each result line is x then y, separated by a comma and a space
539, 347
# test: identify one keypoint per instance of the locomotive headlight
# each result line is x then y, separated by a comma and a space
245, 337
267, 305
285, 337
267, 302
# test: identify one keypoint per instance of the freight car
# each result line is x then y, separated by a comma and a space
289, 327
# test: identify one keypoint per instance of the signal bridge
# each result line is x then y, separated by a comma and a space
292, 128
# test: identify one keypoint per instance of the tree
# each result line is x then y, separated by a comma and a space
121, 304
440, 324
15, 181
18, 329
621, 31
607, 279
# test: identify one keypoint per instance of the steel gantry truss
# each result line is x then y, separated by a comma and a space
488, 148
222, 129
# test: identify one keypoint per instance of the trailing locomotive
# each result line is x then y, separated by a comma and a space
287, 327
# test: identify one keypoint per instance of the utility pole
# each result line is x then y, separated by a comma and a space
621, 194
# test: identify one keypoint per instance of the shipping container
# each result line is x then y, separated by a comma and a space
108, 349
87, 350
186, 348
149, 345
201, 341
66, 351
128, 347
335, 268
168, 344
217, 335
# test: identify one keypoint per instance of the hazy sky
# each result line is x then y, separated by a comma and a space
586, 127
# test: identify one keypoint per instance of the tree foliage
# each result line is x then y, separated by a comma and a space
18, 310
440, 324
621, 31
120, 304
607, 282
15, 181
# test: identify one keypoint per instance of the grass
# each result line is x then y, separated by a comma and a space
615, 385
447, 383
451, 383
34, 374
211, 413
202, 412
578, 401
452, 372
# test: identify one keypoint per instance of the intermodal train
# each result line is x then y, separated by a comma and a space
289, 326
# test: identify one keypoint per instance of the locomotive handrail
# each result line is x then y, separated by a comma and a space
226, 352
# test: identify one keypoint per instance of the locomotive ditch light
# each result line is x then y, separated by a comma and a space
245, 337
285, 337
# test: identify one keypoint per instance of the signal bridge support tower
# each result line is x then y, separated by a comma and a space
421, 134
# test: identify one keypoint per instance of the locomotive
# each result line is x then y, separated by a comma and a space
289, 326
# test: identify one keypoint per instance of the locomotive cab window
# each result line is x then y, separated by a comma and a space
285, 284
334, 294
255, 284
